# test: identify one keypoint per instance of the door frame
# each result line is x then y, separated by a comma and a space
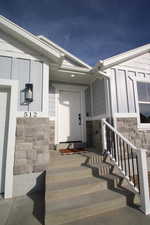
8, 180
67, 87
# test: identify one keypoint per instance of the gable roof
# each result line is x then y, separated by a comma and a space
29, 39
125, 56
39, 43
64, 52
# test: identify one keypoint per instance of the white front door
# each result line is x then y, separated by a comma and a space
4, 118
69, 116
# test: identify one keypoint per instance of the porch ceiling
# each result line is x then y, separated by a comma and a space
71, 77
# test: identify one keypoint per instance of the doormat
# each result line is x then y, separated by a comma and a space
72, 151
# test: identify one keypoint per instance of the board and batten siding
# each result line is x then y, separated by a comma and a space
122, 82
99, 97
122, 92
52, 103
25, 71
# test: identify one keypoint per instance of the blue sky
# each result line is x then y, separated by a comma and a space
89, 29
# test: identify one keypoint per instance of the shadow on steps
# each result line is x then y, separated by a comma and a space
103, 170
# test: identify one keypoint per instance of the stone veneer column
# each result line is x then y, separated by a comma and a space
32, 145
94, 135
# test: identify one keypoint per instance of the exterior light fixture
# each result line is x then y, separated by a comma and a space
29, 92
72, 75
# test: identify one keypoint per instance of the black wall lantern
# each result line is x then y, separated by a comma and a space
28, 92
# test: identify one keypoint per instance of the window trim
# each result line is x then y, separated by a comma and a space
143, 126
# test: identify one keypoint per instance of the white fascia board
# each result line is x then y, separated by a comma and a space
120, 58
78, 69
69, 68
66, 53
28, 38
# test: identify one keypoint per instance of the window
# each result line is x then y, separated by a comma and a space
143, 89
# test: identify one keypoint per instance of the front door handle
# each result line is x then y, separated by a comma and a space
79, 118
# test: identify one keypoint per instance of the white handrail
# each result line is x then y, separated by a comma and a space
141, 163
121, 136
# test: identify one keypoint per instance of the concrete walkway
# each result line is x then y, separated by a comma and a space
29, 210
124, 216
26, 210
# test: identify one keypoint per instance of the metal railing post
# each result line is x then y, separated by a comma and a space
104, 139
144, 184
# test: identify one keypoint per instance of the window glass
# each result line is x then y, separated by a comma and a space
144, 113
143, 89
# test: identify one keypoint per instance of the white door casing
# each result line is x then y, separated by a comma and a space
69, 113
4, 120
9, 94
76, 89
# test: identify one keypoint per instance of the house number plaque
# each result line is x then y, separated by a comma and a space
30, 114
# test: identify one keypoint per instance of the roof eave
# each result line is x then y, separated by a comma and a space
115, 60
28, 38
66, 53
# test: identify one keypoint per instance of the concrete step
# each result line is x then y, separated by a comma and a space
123, 216
75, 188
69, 210
67, 174
71, 145
68, 161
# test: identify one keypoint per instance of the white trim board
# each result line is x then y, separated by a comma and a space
13, 85
141, 126
66, 87
125, 115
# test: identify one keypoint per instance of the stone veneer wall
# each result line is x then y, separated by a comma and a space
128, 127
94, 136
32, 145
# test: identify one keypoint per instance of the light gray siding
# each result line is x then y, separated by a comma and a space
122, 91
52, 112
24, 71
99, 98
88, 101
5, 67
21, 69
113, 90
131, 95
36, 77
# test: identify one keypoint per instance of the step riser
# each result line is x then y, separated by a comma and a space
75, 191
59, 218
68, 176
70, 146
71, 163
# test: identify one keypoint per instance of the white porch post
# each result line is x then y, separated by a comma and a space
104, 141
144, 185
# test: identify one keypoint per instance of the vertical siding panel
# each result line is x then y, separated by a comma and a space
36, 77
5, 67
121, 92
113, 91
21, 72
131, 95
52, 102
